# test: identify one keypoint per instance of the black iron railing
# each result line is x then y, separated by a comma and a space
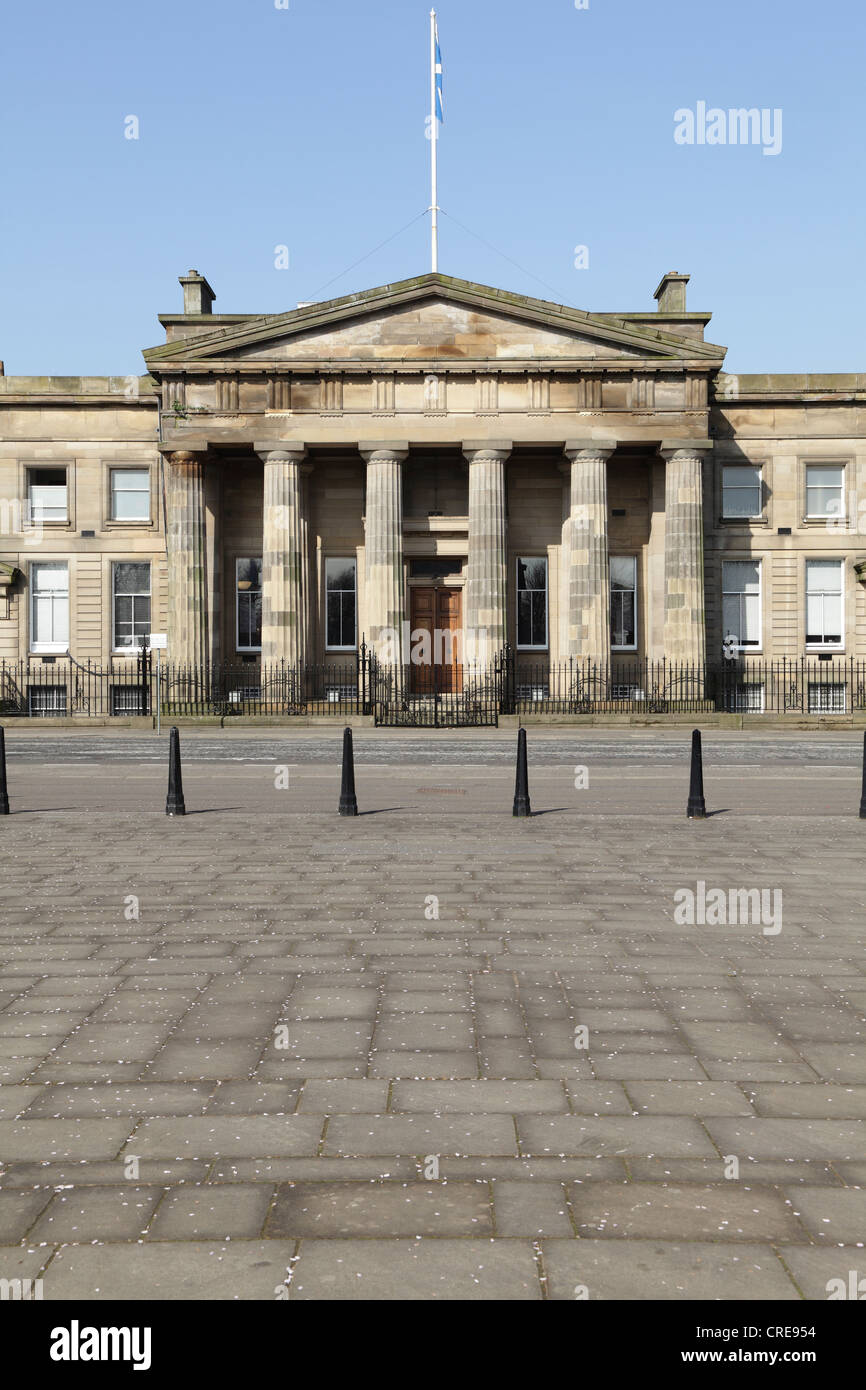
433, 695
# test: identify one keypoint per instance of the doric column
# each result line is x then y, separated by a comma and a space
484, 619
585, 562
385, 585
187, 563
685, 618
284, 597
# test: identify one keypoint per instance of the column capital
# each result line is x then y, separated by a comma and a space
671, 449
577, 449
487, 450
292, 452
384, 450
178, 458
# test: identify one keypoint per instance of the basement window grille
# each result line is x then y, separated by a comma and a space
47, 701
826, 698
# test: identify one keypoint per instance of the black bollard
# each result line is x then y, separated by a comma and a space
348, 800
863, 791
174, 803
4, 795
521, 785
697, 808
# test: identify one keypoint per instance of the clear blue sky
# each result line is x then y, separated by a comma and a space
305, 127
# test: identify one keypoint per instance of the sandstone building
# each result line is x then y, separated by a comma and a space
439, 454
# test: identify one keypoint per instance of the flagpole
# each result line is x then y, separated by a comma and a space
434, 141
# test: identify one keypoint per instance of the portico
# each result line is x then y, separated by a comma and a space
470, 552
506, 433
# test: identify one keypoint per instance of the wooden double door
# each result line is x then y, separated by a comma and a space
438, 612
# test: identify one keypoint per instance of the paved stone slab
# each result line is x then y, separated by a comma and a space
434, 1270
481, 1097
688, 1098
790, 1138
835, 1216
816, 1101
379, 1209
53, 1140
103, 1100
661, 1269
724, 1211
212, 1212
97, 1213
532, 1209
420, 1134
218, 1136
820, 1273
18, 1212
610, 1134
171, 1270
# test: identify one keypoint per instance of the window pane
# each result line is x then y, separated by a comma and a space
249, 575
823, 576
742, 501
532, 574
335, 629
524, 619
824, 490
622, 620
47, 578
131, 578
622, 572
832, 618
42, 619
539, 617
130, 494
741, 475
339, 574
348, 620
60, 617
731, 615
741, 491
48, 502
741, 576
751, 633
824, 475
249, 620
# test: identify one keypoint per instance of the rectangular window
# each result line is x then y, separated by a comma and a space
746, 697
341, 597
741, 491
131, 604
127, 699
824, 603
824, 489
532, 603
130, 494
741, 601
47, 494
623, 602
49, 607
249, 605
826, 699
47, 701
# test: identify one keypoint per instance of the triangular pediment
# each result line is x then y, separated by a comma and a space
432, 318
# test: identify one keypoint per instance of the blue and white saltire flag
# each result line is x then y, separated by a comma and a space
440, 100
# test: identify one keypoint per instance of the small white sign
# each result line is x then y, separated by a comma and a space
158, 641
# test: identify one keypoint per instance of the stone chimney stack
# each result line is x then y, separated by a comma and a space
197, 293
671, 293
